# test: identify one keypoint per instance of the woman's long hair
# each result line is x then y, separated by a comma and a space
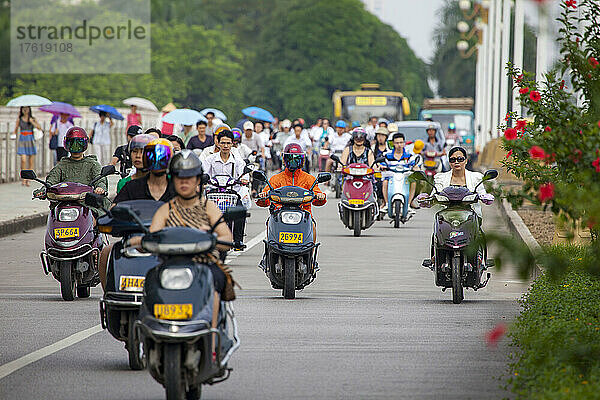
21, 113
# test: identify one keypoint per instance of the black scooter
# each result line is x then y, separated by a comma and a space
174, 321
125, 276
457, 227
290, 259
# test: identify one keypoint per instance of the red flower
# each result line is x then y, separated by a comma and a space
536, 152
562, 84
576, 156
535, 96
524, 90
548, 129
509, 153
571, 3
591, 223
596, 164
519, 78
507, 116
510, 134
521, 124
593, 62
493, 336
598, 124
546, 192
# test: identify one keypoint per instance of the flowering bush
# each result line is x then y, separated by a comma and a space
556, 151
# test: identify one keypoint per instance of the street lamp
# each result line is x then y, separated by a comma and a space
462, 27
465, 6
462, 46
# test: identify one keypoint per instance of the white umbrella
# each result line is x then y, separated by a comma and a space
31, 100
140, 103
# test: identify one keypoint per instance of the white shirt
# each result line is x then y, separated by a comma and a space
213, 165
370, 129
243, 150
316, 133
207, 151
337, 143
303, 142
62, 131
472, 179
102, 132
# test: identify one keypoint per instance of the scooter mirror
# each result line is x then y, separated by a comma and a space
94, 200
335, 158
205, 179
490, 174
28, 174
379, 160
234, 213
108, 170
259, 176
323, 177
121, 213
248, 169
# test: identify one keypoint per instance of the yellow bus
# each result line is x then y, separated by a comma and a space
370, 102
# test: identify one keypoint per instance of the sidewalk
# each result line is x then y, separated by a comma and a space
18, 212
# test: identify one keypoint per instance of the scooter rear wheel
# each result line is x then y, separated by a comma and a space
67, 283
289, 286
134, 346
172, 371
457, 288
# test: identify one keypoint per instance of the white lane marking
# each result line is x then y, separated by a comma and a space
253, 242
32, 357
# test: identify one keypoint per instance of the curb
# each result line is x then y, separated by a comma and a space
20, 224
518, 228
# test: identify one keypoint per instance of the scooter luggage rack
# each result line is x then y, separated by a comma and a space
223, 200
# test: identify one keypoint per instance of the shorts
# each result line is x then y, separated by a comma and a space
218, 277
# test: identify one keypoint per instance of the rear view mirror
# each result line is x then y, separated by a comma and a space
335, 158
490, 174
122, 213
259, 176
28, 174
323, 177
108, 170
248, 169
234, 213
94, 200
205, 179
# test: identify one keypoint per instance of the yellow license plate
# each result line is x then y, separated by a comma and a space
132, 283
63, 233
377, 174
429, 163
356, 201
290, 237
173, 311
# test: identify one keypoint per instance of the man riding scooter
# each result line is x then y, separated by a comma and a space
398, 155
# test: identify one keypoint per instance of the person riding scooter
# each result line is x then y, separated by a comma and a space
358, 150
399, 154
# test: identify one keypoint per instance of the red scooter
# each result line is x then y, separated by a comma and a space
431, 164
358, 205
72, 245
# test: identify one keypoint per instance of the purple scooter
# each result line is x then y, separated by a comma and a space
72, 245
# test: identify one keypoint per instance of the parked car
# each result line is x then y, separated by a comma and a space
415, 130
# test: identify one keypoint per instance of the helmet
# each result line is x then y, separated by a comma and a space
418, 146
340, 124
382, 131
355, 124
185, 164
221, 129
157, 154
76, 140
431, 126
286, 123
237, 134
140, 141
393, 128
358, 133
293, 157
248, 125
451, 126
134, 130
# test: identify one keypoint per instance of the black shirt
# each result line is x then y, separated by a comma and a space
122, 153
196, 143
137, 189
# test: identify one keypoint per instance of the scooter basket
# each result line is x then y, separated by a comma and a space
223, 200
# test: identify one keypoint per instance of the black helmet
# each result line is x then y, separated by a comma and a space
185, 164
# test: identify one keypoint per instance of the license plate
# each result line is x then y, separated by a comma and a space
356, 201
429, 163
173, 311
63, 233
377, 174
290, 237
132, 283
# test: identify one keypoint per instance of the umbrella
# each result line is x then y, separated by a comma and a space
110, 110
240, 123
183, 116
168, 108
258, 113
61, 108
218, 113
31, 100
140, 103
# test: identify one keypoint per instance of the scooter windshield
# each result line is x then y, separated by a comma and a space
456, 216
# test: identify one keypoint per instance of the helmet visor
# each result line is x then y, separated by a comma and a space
157, 156
76, 145
293, 161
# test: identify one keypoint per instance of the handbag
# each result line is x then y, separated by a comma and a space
38, 133
53, 145
228, 291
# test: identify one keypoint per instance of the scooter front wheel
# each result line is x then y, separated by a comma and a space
83, 292
457, 287
397, 213
356, 223
67, 283
289, 271
172, 371
134, 346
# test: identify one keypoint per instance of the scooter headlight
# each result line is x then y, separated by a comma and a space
456, 223
176, 278
68, 214
291, 217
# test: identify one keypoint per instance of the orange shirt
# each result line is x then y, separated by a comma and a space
287, 178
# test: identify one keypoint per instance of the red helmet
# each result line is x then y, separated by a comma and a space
76, 140
293, 156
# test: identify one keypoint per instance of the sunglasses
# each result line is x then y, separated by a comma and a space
456, 159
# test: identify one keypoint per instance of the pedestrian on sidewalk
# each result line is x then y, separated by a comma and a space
59, 129
134, 118
100, 138
26, 144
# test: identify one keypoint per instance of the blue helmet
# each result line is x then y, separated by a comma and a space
340, 124
355, 124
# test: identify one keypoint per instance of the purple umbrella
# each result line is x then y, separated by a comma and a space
61, 108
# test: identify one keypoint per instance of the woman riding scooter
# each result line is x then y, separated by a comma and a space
358, 150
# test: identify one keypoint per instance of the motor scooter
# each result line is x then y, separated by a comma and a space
456, 227
72, 245
290, 258
125, 276
358, 206
431, 164
174, 321
399, 191
338, 177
